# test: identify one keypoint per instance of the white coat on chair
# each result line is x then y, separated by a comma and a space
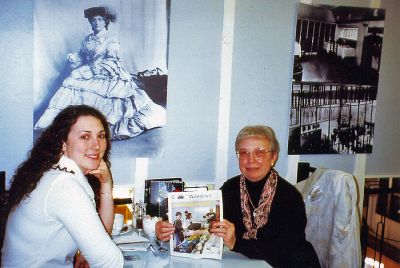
333, 222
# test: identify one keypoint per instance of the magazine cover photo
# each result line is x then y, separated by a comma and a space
192, 214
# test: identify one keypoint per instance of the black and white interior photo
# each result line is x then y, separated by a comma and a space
337, 55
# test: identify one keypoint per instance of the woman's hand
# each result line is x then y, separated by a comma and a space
164, 230
80, 261
226, 230
72, 58
106, 206
102, 173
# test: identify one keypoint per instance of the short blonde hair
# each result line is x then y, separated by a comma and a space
259, 131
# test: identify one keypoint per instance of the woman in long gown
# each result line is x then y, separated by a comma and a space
99, 80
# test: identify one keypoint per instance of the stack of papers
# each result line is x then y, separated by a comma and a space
132, 242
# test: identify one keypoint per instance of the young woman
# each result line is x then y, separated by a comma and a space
99, 80
52, 206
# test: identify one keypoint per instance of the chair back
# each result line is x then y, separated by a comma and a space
333, 221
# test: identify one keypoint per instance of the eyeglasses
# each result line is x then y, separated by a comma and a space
259, 154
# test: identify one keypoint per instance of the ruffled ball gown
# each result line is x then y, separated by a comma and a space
99, 80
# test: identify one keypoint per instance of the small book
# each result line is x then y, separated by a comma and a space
192, 214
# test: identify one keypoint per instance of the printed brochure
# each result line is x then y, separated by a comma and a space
192, 214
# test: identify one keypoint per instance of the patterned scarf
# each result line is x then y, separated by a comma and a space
261, 213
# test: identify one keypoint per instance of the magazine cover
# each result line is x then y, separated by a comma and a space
192, 214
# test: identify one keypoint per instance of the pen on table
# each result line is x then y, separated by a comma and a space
152, 250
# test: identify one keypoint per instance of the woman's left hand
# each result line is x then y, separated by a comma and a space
105, 193
102, 173
226, 230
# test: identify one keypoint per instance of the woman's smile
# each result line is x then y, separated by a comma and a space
252, 166
86, 143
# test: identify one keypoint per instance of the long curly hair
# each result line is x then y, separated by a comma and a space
47, 151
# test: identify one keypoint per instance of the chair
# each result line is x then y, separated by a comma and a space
333, 221
304, 170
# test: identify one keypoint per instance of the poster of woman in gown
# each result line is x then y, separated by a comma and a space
103, 55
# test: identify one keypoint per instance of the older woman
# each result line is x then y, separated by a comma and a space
52, 207
264, 215
271, 225
99, 79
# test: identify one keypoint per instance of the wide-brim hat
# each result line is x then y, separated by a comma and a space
100, 11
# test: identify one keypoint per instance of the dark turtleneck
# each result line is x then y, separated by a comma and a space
281, 242
255, 189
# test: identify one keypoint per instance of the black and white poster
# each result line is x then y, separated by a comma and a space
111, 55
337, 58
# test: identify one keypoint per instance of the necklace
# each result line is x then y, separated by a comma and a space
251, 203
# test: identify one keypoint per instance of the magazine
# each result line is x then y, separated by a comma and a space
192, 214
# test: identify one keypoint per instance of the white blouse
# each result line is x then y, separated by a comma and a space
58, 218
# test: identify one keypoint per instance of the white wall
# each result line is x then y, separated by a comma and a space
385, 157
260, 90
16, 82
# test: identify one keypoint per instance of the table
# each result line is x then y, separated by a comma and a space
346, 52
230, 259
148, 259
